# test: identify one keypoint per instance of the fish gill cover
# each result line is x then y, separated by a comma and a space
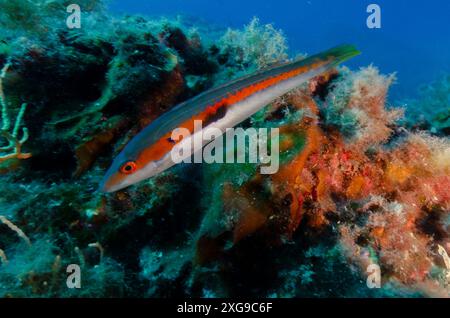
360, 183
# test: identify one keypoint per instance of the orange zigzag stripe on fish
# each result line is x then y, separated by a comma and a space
148, 153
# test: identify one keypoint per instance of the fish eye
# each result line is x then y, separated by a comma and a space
128, 167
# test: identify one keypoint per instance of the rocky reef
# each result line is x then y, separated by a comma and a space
359, 184
431, 110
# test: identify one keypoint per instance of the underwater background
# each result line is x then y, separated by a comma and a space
413, 40
365, 159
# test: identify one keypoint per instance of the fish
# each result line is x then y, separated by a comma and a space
149, 152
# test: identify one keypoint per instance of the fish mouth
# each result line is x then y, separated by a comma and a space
110, 183
105, 187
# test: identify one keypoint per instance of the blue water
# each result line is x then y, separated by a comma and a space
414, 39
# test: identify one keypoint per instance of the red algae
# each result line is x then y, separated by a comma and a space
389, 184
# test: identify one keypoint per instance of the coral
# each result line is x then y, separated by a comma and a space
13, 148
3, 257
15, 228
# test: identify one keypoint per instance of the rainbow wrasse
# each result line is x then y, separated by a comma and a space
149, 152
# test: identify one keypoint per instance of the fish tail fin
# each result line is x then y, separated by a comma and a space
329, 58
339, 54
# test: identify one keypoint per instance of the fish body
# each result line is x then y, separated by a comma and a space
149, 152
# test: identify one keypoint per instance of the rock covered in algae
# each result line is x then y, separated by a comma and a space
354, 187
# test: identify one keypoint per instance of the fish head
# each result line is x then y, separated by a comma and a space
135, 163
125, 171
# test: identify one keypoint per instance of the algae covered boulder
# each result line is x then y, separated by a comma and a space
357, 184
